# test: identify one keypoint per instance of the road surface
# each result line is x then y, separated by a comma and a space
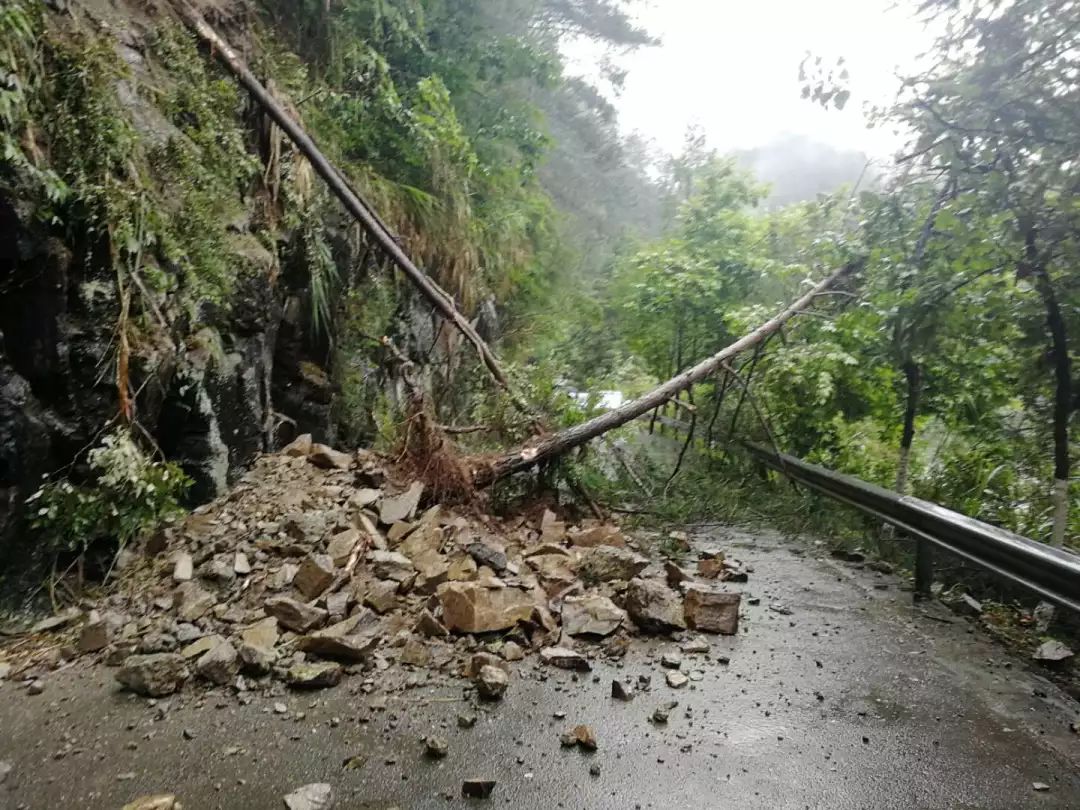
856, 699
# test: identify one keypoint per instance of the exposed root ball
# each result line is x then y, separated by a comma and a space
434, 458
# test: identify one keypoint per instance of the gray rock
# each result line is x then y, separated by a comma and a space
154, 675
488, 555
318, 796
491, 682
320, 675
671, 661
184, 568
191, 602
1052, 652
350, 648
676, 680
654, 607
256, 661
620, 691
295, 616
591, 615
327, 458
158, 643
401, 507
609, 563
220, 665
381, 596
565, 658
391, 565
436, 747
477, 788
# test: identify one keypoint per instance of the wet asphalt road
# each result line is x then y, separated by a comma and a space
855, 700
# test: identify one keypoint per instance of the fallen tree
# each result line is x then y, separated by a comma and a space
555, 445
341, 189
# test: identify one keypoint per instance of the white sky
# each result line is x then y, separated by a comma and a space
731, 66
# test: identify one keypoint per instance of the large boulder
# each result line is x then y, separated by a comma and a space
654, 607
295, 616
472, 608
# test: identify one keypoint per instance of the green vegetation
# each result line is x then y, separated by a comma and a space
128, 494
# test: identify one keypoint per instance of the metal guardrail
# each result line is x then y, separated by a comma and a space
1052, 573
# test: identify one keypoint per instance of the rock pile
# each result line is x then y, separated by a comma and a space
320, 563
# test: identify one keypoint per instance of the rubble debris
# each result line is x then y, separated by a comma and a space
349, 649
671, 661
477, 788
710, 610
582, 736
781, 608
298, 447
491, 682
154, 675
318, 796
466, 720
597, 536
675, 575
654, 607
591, 616
694, 646
620, 691
428, 625
98, 631
565, 658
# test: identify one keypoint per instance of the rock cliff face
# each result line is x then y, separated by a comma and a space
214, 380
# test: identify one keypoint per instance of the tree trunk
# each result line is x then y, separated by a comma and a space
1059, 348
559, 443
341, 188
913, 373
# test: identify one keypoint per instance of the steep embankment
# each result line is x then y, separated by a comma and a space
165, 255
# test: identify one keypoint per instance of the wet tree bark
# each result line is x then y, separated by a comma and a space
913, 373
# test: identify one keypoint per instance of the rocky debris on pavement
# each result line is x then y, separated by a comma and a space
154, 675
565, 658
662, 713
160, 801
436, 747
620, 691
317, 796
477, 788
711, 610
581, 736
491, 682
1052, 652
319, 564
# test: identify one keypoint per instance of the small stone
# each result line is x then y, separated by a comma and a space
565, 658
591, 616
36, 687
381, 596
191, 601
695, 646
477, 788
466, 720
486, 554
671, 661
585, 737
341, 546
662, 713
154, 675
201, 646
1041, 787
98, 632
782, 609
319, 675
315, 575
415, 653
436, 747
676, 680
607, 564
512, 651
491, 682
620, 691
160, 801
594, 769
654, 607
184, 568
391, 565
5, 770
241, 564
318, 796
428, 625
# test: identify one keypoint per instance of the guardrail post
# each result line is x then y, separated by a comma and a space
924, 569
